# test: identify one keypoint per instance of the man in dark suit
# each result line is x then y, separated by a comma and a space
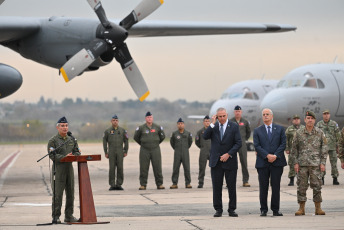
270, 141
225, 143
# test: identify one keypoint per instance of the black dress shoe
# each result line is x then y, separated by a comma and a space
232, 214
200, 186
112, 188
119, 188
278, 213
218, 214
263, 213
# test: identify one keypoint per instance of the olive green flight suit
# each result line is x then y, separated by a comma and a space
115, 143
181, 142
64, 177
204, 146
245, 133
149, 139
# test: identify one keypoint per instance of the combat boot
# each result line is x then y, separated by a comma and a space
160, 187
188, 186
335, 181
318, 210
142, 187
174, 186
291, 182
301, 210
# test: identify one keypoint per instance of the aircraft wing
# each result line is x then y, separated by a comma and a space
185, 28
13, 28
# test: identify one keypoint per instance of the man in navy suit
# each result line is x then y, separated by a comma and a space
225, 143
269, 141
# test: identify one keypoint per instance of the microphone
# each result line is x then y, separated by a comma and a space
51, 149
69, 133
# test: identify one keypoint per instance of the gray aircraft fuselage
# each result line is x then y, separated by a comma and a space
313, 87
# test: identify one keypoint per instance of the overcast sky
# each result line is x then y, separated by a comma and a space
191, 68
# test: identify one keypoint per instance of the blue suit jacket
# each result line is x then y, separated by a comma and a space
231, 143
264, 146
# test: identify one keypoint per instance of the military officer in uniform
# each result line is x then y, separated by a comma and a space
115, 144
341, 149
204, 146
149, 136
245, 133
289, 133
332, 133
181, 141
59, 146
309, 150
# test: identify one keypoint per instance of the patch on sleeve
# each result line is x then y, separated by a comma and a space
161, 128
137, 128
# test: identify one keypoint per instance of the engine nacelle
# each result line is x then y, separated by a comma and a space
10, 80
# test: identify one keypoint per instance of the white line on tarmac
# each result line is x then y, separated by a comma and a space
6, 164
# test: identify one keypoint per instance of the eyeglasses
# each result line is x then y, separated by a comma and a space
266, 114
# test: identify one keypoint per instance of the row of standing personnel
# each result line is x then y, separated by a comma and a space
150, 135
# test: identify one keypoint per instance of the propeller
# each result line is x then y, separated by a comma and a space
111, 39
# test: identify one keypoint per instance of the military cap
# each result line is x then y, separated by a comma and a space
115, 116
237, 107
62, 120
310, 113
326, 111
206, 117
148, 114
296, 116
180, 120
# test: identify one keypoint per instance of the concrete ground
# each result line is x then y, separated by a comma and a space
25, 196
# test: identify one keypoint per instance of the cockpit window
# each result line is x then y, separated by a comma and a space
290, 83
314, 83
251, 95
320, 84
237, 95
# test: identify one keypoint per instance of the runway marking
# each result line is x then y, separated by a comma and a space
149, 199
31, 204
6, 164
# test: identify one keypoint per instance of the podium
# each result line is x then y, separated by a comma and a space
87, 209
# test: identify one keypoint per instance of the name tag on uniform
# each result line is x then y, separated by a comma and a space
152, 130
241, 123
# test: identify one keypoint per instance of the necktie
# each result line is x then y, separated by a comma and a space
269, 133
221, 131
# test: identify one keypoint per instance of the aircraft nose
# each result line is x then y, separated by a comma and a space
276, 101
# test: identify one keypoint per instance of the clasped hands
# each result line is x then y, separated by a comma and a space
271, 157
225, 157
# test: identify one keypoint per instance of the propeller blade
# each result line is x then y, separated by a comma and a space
132, 72
84, 58
98, 8
145, 8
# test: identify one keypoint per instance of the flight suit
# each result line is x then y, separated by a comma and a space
64, 177
289, 133
204, 146
245, 133
332, 133
181, 142
149, 139
115, 143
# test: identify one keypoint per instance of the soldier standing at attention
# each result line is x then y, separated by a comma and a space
60, 146
309, 151
115, 144
181, 141
289, 133
332, 133
341, 149
204, 146
245, 133
149, 136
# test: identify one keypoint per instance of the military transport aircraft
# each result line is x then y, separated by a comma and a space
313, 87
248, 94
75, 45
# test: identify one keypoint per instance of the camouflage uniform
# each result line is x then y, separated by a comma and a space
64, 177
204, 146
309, 150
245, 133
341, 147
149, 139
290, 134
181, 142
117, 140
332, 133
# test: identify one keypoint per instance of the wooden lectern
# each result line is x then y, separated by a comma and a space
87, 209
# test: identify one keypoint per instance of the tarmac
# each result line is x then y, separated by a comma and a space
25, 196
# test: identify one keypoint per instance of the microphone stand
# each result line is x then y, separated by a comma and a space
53, 151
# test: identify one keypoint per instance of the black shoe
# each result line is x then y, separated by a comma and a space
200, 186
323, 181
291, 183
232, 214
119, 187
278, 213
112, 188
218, 214
263, 213
56, 220
335, 181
